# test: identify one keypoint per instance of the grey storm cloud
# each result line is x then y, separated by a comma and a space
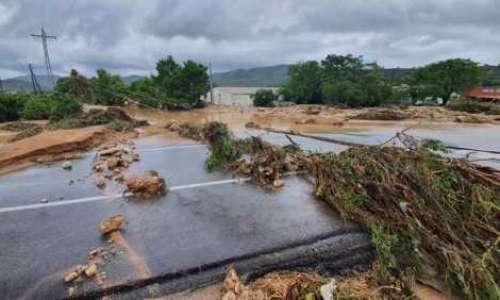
128, 36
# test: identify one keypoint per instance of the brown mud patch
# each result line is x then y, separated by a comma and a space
303, 118
50, 146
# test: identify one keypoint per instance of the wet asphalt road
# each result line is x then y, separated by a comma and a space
212, 225
202, 228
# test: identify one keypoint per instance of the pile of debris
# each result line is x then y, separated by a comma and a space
186, 130
267, 163
311, 285
431, 218
383, 114
111, 162
115, 116
146, 186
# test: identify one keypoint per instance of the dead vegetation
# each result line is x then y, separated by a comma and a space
430, 218
309, 285
115, 117
384, 114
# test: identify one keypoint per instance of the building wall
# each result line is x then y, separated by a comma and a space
235, 96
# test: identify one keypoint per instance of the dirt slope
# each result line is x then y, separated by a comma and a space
48, 146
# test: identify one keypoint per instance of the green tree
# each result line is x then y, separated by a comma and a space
449, 76
343, 67
107, 89
191, 81
263, 98
303, 83
186, 82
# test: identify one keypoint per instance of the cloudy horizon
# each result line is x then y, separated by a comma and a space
128, 37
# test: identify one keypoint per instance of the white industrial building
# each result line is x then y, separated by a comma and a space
236, 96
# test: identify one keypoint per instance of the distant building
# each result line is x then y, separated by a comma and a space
237, 96
483, 93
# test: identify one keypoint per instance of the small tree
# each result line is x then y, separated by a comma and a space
263, 98
185, 82
107, 89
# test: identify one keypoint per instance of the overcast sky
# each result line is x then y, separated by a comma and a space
128, 37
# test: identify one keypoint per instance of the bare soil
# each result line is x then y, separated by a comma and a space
304, 118
54, 145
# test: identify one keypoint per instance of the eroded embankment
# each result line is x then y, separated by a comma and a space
51, 146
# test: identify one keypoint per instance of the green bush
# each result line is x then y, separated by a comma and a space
263, 98
64, 105
54, 106
12, 106
37, 108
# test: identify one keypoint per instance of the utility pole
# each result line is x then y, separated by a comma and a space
43, 35
36, 86
211, 83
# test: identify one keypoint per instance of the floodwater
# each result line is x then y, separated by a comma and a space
476, 136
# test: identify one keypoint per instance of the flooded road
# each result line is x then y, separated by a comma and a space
207, 221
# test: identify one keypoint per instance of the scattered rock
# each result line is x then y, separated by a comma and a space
67, 165
278, 183
91, 270
71, 276
135, 156
111, 224
100, 181
147, 185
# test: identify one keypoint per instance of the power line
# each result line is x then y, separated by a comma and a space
36, 86
44, 37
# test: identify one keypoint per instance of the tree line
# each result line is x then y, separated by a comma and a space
349, 80
174, 84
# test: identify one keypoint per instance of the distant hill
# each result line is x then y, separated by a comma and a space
131, 78
23, 83
263, 76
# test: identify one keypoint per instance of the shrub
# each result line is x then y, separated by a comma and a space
64, 105
12, 106
37, 108
54, 106
263, 98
